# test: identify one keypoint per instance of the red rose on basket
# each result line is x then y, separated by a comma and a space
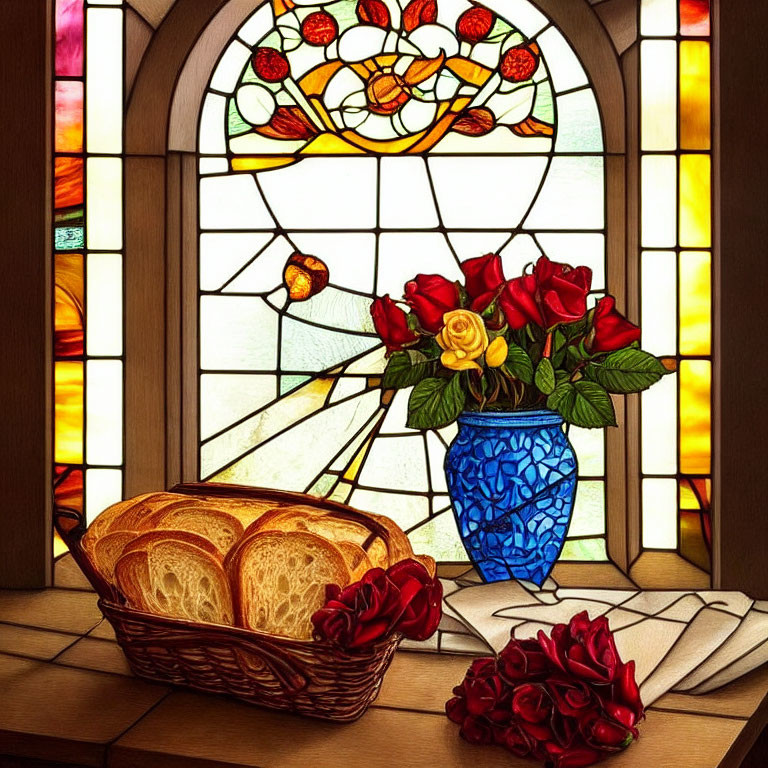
523, 660
610, 329
430, 297
404, 598
484, 277
391, 324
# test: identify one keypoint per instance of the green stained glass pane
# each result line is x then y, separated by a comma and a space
589, 509
323, 485
584, 549
543, 106
68, 238
235, 123
288, 383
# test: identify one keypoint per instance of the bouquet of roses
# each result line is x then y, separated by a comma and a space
566, 699
495, 344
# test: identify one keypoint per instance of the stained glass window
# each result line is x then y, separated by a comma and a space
676, 275
377, 140
87, 236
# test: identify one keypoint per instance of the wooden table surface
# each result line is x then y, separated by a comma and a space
67, 695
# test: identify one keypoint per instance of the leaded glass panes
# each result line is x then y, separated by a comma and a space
381, 151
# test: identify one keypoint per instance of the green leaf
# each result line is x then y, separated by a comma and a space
572, 330
545, 376
405, 369
434, 402
519, 364
626, 370
583, 404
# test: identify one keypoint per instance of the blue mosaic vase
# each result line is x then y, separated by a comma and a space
512, 481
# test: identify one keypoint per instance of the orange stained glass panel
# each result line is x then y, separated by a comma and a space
68, 182
694, 17
695, 417
695, 202
68, 413
695, 89
695, 303
69, 296
68, 487
69, 116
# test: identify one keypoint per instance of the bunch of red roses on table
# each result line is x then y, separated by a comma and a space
403, 599
489, 343
566, 699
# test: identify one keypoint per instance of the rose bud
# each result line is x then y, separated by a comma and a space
373, 12
304, 276
391, 324
386, 92
562, 291
319, 28
476, 121
610, 329
605, 735
474, 25
496, 354
519, 63
532, 703
270, 65
518, 302
523, 660
419, 12
483, 274
430, 297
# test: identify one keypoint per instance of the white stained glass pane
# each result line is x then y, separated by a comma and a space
521, 252
659, 201
588, 509
485, 192
658, 18
237, 333
564, 66
104, 487
403, 255
437, 452
405, 197
659, 427
104, 412
208, 165
659, 302
257, 25
232, 202
579, 128
104, 81
572, 196
222, 255
658, 95
227, 397
104, 298
589, 445
104, 201
468, 245
660, 513
265, 273
440, 538
520, 13
230, 67
323, 193
577, 249
309, 348
405, 509
212, 139
349, 256
397, 463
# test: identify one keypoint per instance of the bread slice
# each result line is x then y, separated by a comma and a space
279, 580
245, 510
357, 561
217, 526
428, 562
107, 551
110, 519
175, 573
399, 544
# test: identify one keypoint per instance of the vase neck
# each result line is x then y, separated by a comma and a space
513, 419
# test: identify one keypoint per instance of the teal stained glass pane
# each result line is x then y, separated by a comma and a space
68, 238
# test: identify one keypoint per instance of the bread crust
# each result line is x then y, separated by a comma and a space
108, 549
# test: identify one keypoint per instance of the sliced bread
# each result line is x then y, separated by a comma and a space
217, 526
108, 549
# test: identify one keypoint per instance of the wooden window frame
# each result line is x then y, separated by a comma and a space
161, 268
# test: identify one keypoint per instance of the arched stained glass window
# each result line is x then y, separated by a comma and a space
383, 139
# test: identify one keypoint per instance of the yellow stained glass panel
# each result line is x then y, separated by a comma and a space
695, 303
695, 205
68, 413
694, 95
695, 416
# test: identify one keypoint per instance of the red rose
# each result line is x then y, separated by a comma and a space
623, 702
474, 25
476, 121
456, 709
477, 730
518, 302
319, 28
484, 276
572, 697
419, 12
430, 297
391, 324
270, 65
482, 691
562, 291
519, 64
532, 703
573, 756
523, 661
610, 329
420, 599
604, 734
516, 740
584, 649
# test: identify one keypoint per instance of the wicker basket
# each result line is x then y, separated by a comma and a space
310, 678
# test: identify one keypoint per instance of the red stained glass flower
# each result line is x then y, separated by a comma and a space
519, 64
270, 65
475, 122
419, 12
373, 12
304, 276
475, 24
319, 28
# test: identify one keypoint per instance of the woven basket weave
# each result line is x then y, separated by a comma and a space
302, 676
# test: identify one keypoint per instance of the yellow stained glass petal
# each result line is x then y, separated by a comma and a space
695, 416
695, 202
695, 303
695, 93
68, 413
260, 163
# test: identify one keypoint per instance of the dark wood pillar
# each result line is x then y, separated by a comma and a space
25, 302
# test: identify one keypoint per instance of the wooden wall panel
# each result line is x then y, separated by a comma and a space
25, 308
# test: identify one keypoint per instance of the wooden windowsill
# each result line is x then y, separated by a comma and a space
68, 697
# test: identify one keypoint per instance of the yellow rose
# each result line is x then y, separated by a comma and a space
497, 351
463, 338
